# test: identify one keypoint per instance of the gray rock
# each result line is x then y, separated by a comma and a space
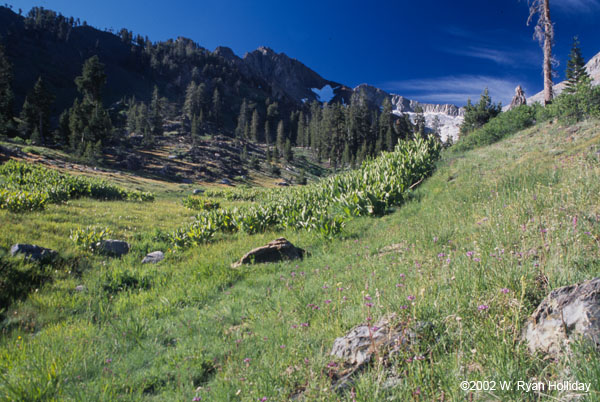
356, 348
153, 257
277, 250
80, 288
566, 314
198, 191
226, 181
519, 98
283, 184
33, 252
114, 248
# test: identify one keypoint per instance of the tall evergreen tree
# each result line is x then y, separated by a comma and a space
156, 115
242, 119
89, 122
255, 126
35, 115
6, 94
91, 80
280, 136
576, 73
217, 107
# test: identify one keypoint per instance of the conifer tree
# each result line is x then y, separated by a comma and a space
216, 107
35, 115
254, 126
156, 115
280, 136
6, 94
576, 73
242, 120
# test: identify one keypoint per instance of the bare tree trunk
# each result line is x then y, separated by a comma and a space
548, 38
544, 33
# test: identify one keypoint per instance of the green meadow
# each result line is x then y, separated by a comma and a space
470, 253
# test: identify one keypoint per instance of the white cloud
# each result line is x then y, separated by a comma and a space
576, 6
454, 89
503, 57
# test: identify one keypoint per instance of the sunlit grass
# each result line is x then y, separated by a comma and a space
477, 246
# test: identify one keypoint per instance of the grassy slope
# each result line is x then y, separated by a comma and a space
187, 334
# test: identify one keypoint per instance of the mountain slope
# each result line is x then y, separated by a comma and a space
52, 46
468, 257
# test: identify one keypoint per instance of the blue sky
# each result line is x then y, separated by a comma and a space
431, 50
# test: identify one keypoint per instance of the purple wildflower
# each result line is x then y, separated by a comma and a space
483, 307
410, 297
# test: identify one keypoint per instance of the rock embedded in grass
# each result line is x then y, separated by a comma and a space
33, 252
358, 346
565, 315
115, 248
276, 250
153, 257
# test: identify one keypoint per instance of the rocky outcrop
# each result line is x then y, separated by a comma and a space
566, 314
287, 77
33, 252
277, 250
519, 98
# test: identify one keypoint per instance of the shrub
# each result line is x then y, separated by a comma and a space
88, 238
200, 203
499, 127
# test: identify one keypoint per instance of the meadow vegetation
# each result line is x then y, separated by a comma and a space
471, 252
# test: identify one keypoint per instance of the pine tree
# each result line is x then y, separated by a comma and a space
156, 115
216, 107
419, 120
288, 153
91, 80
280, 136
254, 126
6, 94
89, 122
35, 115
242, 120
576, 73
479, 114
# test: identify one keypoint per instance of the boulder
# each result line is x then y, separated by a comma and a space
277, 250
33, 252
153, 257
198, 191
566, 314
114, 248
358, 346
226, 182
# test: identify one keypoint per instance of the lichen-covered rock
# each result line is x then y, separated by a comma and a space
565, 314
114, 248
153, 257
356, 349
277, 250
33, 252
